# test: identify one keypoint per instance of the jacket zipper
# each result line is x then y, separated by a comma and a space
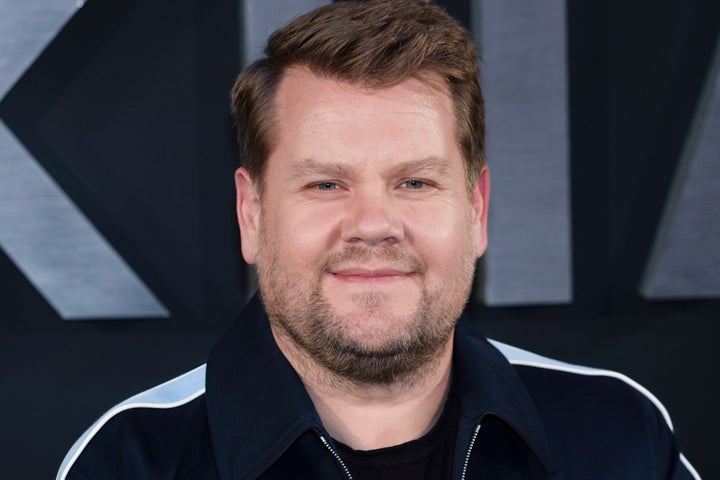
349, 476
337, 457
467, 455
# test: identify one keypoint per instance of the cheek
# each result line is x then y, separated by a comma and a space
444, 240
440, 226
302, 236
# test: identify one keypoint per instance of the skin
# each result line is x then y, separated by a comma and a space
364, 236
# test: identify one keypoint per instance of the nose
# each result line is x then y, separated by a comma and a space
372, 218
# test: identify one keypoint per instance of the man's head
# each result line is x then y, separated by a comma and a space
376, 43
362, 210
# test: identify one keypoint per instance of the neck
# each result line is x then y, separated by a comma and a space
367, 417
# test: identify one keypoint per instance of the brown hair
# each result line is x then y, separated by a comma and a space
376, 43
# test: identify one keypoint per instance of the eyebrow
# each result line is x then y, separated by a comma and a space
432, 165
309, 167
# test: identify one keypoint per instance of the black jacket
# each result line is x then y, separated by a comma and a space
246, 415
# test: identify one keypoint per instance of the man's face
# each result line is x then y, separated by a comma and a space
365, 237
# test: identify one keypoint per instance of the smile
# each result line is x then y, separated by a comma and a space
365, 275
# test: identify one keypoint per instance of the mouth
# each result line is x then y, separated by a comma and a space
371, 275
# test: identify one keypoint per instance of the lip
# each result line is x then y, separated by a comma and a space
360, 274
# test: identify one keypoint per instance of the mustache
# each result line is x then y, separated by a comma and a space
388, 255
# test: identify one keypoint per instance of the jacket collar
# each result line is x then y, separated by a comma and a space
258, 406
489, 385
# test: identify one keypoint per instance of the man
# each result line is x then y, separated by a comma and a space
363, 202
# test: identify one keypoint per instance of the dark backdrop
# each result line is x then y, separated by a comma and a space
128, 110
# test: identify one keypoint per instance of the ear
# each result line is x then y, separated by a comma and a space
248, 213
480, 199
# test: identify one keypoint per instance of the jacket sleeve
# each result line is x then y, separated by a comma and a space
683, 470
671, 464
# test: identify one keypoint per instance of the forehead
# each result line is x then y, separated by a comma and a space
315, 114
301, 89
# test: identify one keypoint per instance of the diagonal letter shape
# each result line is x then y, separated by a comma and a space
41, 230
685, 260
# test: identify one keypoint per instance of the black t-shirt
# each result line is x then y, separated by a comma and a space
428, 457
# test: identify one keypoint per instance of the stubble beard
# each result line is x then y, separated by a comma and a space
304, 315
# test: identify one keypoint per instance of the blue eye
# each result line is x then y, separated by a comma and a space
414, 184
325, 186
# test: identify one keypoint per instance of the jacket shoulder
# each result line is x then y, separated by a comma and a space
600, 413
540, 366
137, 432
